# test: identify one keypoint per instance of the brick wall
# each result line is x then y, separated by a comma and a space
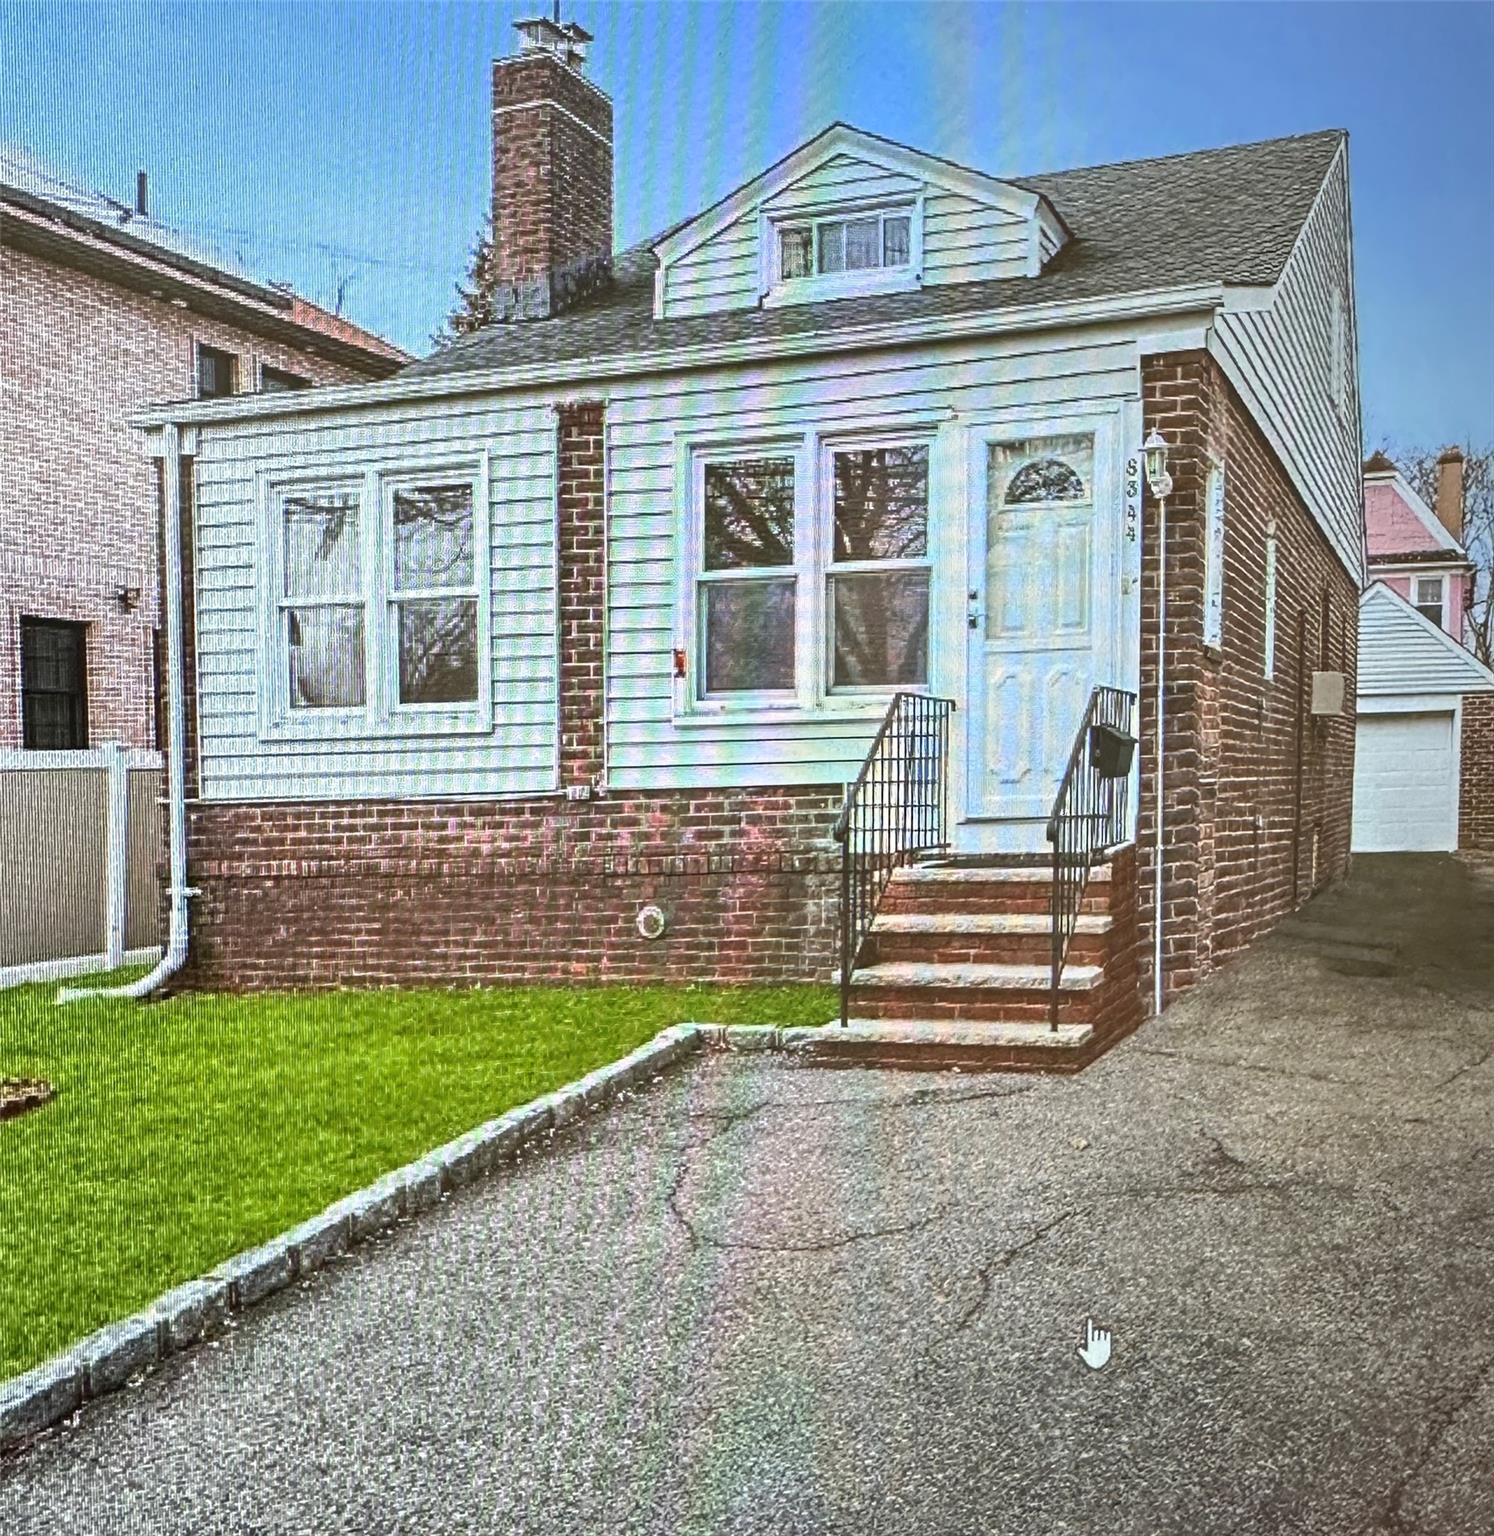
552, 170
77, 504
582, 524
1476, 795
1258, 793
378, 893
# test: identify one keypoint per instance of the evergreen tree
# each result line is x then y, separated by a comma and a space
474, 306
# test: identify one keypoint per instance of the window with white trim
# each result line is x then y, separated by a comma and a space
878, 583
805, 589
1429, 598
379, 610
860, 242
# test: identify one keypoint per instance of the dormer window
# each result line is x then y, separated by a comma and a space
861, 242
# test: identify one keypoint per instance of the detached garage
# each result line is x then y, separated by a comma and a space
1420, 699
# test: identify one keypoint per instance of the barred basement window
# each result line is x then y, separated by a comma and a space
54, 686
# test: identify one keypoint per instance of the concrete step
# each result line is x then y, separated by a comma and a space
967, 976
987, 874
931, 1043
983, 922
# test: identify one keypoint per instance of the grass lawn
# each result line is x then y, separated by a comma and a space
185, 1131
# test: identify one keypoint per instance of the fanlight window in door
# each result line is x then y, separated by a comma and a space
1039, 505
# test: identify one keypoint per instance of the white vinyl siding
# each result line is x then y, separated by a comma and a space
651, 431
969, 242
1282, 358
407, 758
1399, 655
963, 240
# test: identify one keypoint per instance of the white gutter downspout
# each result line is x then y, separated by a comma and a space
176, 758
1161, 782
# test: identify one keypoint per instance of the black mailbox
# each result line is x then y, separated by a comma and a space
1110, 751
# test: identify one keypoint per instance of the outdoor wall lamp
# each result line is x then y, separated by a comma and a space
1159, 482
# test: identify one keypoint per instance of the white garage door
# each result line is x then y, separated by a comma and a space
1405, 784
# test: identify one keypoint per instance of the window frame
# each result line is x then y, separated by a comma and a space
78, 695
381, 715
831, 567
812, 451
1442, 597
202, 350
774, 289
1268, 651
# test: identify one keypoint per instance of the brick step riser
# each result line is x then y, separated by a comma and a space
972, 899
982, 948
971, 1004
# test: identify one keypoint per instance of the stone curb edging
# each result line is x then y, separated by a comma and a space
110, 1358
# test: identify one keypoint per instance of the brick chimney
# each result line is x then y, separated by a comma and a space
1450, 491
552, 174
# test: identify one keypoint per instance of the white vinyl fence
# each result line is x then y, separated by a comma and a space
80, 837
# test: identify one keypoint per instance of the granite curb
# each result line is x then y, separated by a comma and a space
120, 1353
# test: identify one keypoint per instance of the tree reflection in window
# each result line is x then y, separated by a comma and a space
1044, 480
749, 514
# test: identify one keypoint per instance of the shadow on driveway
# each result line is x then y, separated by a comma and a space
763, 1298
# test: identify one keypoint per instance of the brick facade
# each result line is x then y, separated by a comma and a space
1476, 790
78, 354
552, 181
582, 537
1258, 793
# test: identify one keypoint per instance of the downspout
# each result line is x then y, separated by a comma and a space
1161, 795
176, 758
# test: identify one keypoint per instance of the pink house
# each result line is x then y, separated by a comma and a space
1417, 550
1424, 733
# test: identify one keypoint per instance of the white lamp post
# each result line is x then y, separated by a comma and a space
1159, 482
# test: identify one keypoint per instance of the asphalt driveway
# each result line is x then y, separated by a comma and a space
763, 1298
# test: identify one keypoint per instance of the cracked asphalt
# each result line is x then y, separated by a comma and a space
766, 1298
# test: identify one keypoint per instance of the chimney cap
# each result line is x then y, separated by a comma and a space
565, 41
1451, 455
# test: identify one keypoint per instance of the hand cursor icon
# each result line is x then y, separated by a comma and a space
1095, 1350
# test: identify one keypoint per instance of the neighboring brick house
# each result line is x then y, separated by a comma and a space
554, 655
102, 309
1424, 759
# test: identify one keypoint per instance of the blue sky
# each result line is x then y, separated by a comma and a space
348, 144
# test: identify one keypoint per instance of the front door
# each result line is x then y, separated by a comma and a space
1039, 616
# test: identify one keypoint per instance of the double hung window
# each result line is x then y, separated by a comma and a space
809, 586
1427, 597
380, 603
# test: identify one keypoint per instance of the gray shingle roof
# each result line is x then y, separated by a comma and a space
1219, 215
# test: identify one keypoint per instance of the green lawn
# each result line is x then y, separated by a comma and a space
185, 1131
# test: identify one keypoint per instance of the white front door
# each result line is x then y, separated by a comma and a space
1040, 618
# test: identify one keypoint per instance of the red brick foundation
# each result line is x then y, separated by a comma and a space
1258, 793
385, 893
1476, 793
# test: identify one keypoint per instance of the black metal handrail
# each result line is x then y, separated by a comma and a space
1089, 813
894, 811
